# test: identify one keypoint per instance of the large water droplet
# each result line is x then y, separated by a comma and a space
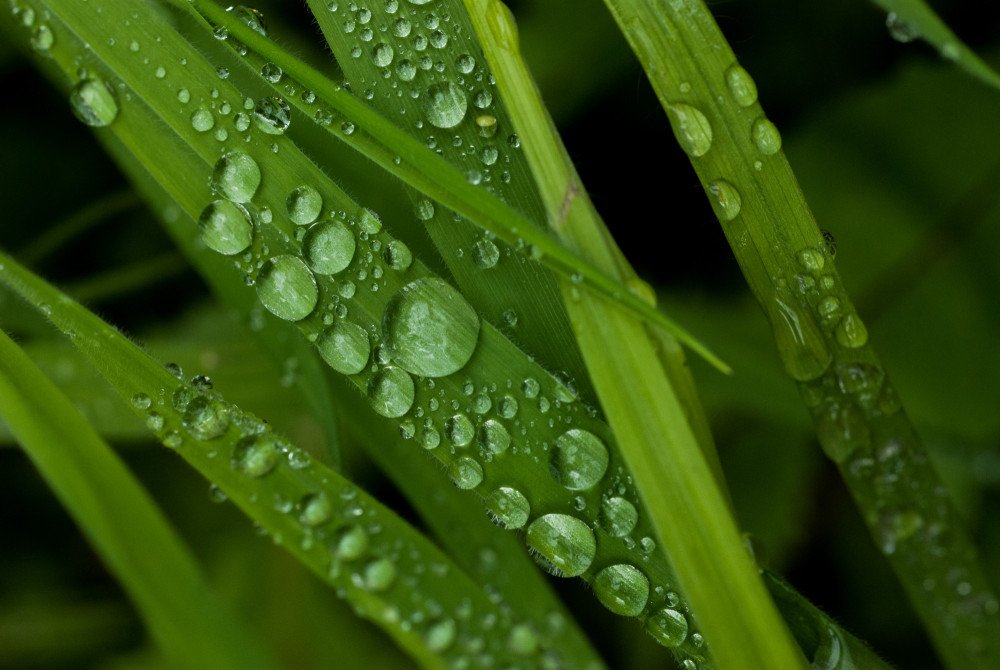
236, 176
851, 331
205, 418
668, 627
304, 205
345, 348
766, 136
273, 115
509, 507
566, 544
350, 543
256, 455
622, 588
397, 255
465, 472
900, 30
459, 430
578, 460
287, 288
42, 38
493, 438
225, 227
382, 54
430, 328
445, 105
725, 199
329, 247
692, 129
618, 516
741, 85
391, 392
93, 102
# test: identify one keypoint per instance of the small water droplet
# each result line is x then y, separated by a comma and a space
382, 54
668, 627
485, 253
523, 641
202, 120
256, 455
565, 544
345, 347
350, 543
304, 205
441, 635
445, 105
851, 331
315, 509
578, 460
424, 209
493, 438
141, 401
205, 418
900, 30
622, 588
287, 288
329, 247
225, 227
741, 85
271, 72
391, 392
430, 328
272, 115
42, 38
618, 516
692, 129
465, 472
379, 575
726, 199
251, 17
459, 430
93, 102
766, 136
397, 255
509, 507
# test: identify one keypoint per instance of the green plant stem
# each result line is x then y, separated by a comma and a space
121, 521
712, 105
406, 158
684, 499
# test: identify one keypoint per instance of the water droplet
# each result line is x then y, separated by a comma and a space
766, 136
842, 430
256, 455
202, 120
350, 543
485, 253
530, 387
465, 472
896, 526
141, 401
329, 247
205, 418
741, 85
726, 199
382, 54
315, 509
668, 627
830, 243
391, 392
509, 507
369, 222
523, 641
397, 255
430, 328
225, 227
42, 38
272, 115
441, 635
424, 210
578, 460
93, 102
566, 544
304, 205
287, 288
691, 126
508, 407
236, 176
459, 430
622, 588
801, 346
345, 347
253, 19
811, 260
900, 30
493, 438
618, 516
851, 331
379, 575
445, 105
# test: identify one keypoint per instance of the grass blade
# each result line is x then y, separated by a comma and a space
703, 542
712, 105
908, 20
121, 521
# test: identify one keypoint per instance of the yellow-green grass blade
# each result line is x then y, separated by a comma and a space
122, 522
712, 104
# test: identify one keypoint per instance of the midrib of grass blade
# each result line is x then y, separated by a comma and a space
387, 570
409, 160
909, 20
122, 522
712, 105
498, 384
688, 509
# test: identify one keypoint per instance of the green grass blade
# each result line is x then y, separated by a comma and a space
908, 20
712, 105
406, 158
121, 521
702, 541
388, 571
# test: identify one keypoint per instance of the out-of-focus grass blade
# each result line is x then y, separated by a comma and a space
908, 20
121, 521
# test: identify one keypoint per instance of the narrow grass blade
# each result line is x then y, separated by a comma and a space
711, 102
405, 157
909, 20
689, 511
388, 571
121, 521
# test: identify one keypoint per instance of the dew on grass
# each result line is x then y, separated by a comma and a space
725, 199
465, 472
272, 115
256, 455
445, 105
391, 392
350, 543
900, 30
765, 136
315, 509
692, 128
345, 347
493, 438
205, 418
622, 588
93, 102
668, 626
225, 227
741, 85
329, 247
578, 460
304, 205
509, 507
287, 288
564, 543
459, 430
618, 516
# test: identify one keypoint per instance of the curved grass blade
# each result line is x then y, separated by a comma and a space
703, 543
122, 522
909, 20
406, 158
388, 571
711, 102
491, 424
